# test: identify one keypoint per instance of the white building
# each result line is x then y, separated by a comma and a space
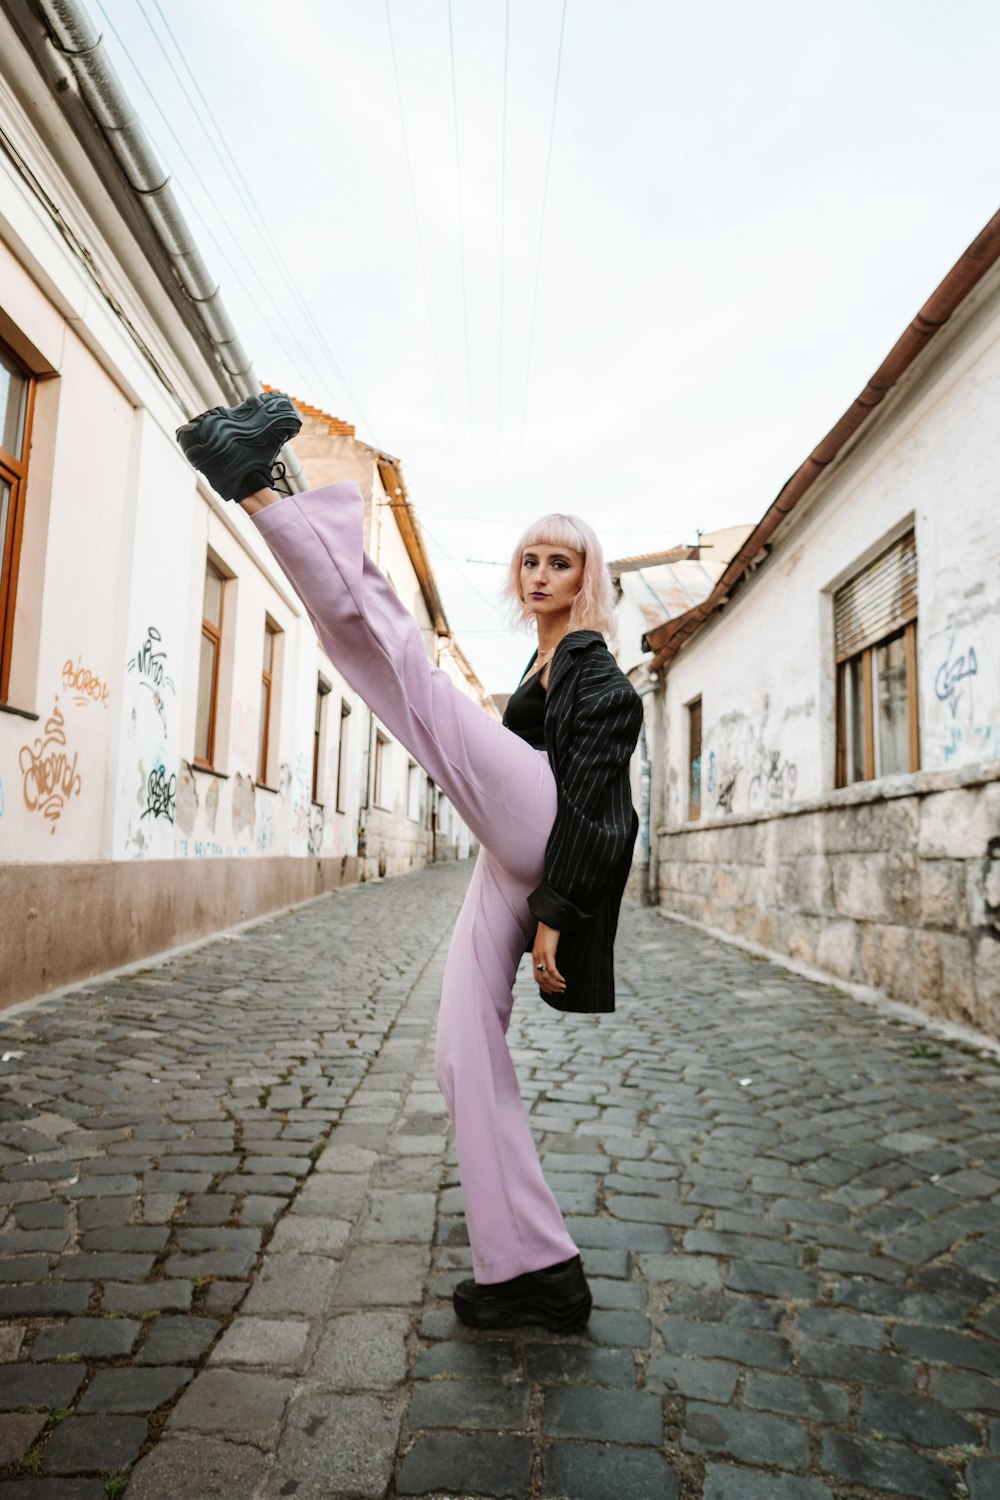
177, 753
831, 712
651, 590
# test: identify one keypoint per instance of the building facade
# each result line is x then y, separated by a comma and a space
177, 752
830, 714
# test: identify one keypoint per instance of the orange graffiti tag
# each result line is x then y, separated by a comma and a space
50, 777
84, 684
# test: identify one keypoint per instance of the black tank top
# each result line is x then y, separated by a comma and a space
525, 712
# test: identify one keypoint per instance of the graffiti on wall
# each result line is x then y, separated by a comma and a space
952, 673
51, 778
161, 792
723, 790
775, 781
314, 833
85, 685
150, 666
265, 829
745, 771
965, 735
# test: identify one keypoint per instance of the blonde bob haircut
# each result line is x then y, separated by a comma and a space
594, 604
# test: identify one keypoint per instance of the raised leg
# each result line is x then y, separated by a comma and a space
502, 789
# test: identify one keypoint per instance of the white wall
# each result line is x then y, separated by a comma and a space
764, 669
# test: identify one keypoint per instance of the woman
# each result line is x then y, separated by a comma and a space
546, 794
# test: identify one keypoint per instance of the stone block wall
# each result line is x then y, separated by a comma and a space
895, 885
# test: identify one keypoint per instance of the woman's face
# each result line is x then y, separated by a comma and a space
551, 578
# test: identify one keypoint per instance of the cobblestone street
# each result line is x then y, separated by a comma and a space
229, 1227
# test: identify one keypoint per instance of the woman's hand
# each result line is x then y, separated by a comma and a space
543, 959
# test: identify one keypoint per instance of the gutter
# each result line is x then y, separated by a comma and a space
667, 640
72, 34
394, 483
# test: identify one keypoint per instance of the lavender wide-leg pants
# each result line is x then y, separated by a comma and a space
505, 792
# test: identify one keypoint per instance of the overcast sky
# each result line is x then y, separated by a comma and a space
746, 205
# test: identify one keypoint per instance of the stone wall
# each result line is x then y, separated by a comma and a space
894, 885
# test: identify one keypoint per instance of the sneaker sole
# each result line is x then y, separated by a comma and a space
556, 1318
205, 440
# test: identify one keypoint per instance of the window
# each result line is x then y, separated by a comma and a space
875, 641
322, 693
694, 759
17, 391
266, 681
414, 778
381, 773
208, 671
342, 743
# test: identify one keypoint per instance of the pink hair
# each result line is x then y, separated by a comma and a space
594, 604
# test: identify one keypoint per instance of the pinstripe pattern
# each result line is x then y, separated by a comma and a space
592, 720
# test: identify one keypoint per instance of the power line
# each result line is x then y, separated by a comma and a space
461, 245
243, 191
193, 207
460, 571
503, 235
420, 237
541, 236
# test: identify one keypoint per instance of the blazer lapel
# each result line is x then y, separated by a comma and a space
577, 640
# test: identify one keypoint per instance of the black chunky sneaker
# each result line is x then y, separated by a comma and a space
557, 1297
236, 447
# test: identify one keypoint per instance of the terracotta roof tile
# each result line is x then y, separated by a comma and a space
338, 427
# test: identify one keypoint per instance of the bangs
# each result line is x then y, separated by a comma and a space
555, 531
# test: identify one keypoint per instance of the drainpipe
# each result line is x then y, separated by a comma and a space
74, 37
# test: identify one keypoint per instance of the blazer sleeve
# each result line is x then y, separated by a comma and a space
595, 819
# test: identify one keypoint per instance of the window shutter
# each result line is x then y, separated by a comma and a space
880, 600
694, 711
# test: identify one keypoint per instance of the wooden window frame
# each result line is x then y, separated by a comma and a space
322, 693
340, 792
380, 766
266, 682
694, 710
867, 658
413, 774
214, 634
14, 471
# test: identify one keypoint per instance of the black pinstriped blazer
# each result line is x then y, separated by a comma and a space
592, 719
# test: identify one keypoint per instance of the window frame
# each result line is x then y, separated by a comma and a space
14, 472
414, 792
866, 656
214, 634
323, 690
381, 767
340, 792
694, 715
267, 684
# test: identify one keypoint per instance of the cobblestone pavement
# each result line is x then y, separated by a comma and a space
229, 1227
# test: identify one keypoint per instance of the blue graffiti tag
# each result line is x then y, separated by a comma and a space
951, 673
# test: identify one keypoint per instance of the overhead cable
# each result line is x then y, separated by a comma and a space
503, 234
420, 237
206, 227
461, 245
541, 238
200, 108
